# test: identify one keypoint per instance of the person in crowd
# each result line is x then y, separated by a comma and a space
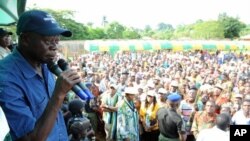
162, 97
148, 117
234, 108
5, 42
171, 125
204, 95
109, 106
137, 103
218, 132
217, 91
188, 108
79, 130
104, 83
30, 96
157, 82
65, 109
79, 126
174, 87
128, 117
97, 111
91, 109
242, 117
225, 108
204, 119
122, 83
237, 99
247, 96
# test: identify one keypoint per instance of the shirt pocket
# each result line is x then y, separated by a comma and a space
40, 107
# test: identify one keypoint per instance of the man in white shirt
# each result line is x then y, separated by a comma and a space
218, 132
242, 117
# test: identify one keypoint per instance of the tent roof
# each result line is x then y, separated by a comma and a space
10, 11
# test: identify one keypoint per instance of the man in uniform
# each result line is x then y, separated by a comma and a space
170, 122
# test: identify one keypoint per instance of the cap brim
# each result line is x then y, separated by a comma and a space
6, 33
55, 31
113, 87
150, 95
130, 93
219, 88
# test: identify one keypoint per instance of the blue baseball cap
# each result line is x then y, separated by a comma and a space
174, 97
40, 22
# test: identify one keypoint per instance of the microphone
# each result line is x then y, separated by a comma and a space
54, 68
65, 66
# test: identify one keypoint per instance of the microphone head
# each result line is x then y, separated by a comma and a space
53, 67
62, 64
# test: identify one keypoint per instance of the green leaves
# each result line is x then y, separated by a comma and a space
115, 30
232, 26
208, 30
224, 27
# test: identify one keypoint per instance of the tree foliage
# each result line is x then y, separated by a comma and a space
165, 27
224, 27
232, 26
131, 33
115, 30
96, 33
183, 31
208, 30
245, 31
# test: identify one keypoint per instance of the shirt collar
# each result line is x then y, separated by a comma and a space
24, 66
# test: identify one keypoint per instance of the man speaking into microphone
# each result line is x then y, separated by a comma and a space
29, 95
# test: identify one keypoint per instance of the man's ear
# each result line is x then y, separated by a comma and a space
24, 39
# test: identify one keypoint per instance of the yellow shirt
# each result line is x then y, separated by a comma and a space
151, 112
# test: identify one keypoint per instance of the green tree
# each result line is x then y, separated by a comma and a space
131, 33
80, 31
232, 26
164, 27
183, 31
90, 24
163, 35
245, 31
96, 33
164, 31
208, 30
148, 31
115, 30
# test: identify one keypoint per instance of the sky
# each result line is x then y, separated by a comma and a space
139, 13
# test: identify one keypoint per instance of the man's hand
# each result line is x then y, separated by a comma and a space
66, 81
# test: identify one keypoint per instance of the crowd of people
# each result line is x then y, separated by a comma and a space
208, 83
138, 96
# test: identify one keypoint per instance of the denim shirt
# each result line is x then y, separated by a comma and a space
24, 96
